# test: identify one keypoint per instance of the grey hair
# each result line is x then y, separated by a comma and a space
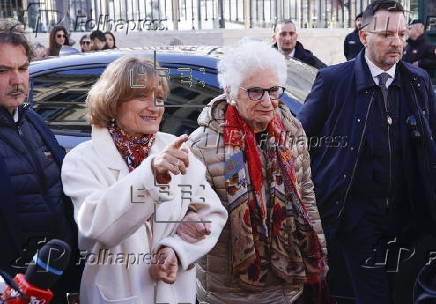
248, 57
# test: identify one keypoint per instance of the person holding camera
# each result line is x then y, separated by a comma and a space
381, 185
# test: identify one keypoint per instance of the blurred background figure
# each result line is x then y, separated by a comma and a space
285, 40
419, 51
155, 15
176, 42
85, 44
98, 40
58, 37
110, 40
352, 44
39, 51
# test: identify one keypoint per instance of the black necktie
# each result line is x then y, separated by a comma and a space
383, 78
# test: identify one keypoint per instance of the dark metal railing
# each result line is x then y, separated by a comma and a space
134, 15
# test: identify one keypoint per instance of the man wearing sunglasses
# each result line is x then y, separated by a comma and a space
383, 181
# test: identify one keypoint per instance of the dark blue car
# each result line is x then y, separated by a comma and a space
59, 87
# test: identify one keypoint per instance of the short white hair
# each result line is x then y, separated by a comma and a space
247, 57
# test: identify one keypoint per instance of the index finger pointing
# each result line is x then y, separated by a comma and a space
177, 143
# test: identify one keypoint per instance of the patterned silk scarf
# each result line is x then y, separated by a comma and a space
271, 234
132, 149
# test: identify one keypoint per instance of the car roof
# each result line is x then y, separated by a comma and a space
191, 55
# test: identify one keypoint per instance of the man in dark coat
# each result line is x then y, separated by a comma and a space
419, 51
352, 44
285, 40
33, 209
371, 124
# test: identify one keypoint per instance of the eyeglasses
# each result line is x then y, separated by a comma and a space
403, 36
61, 36
86, 42
256, 93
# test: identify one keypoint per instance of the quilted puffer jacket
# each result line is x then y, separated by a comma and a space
215, 283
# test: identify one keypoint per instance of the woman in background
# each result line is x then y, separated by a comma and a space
110, 40
85, 44
58, 37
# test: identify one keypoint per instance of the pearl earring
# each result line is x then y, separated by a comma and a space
112, 123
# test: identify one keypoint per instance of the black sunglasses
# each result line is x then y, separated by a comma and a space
256, 93
61, 36
85, 42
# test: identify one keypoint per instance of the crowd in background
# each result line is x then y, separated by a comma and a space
60, 42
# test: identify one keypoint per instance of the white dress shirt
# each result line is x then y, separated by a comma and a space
15, 116
375, 71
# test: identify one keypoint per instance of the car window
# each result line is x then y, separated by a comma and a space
59, 97
190, 92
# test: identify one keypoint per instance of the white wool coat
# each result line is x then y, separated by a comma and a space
112, 208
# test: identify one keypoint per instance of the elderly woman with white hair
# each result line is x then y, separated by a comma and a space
272, 247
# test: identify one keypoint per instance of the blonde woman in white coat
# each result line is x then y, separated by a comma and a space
126, 186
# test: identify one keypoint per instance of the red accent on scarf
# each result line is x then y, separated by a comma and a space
249, 261
132, 149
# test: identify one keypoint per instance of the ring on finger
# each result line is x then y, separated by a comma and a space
177, 164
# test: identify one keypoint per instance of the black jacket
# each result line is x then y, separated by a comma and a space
336, 114
422, 51
306, 56
33, 208
352, 45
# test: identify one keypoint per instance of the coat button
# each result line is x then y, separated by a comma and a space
345, 175
358, 120
419, 85
337, 202
352, 148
